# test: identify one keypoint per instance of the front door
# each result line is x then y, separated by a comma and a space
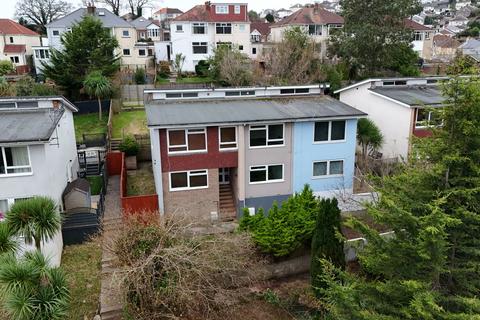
224, 175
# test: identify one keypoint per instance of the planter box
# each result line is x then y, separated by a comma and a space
131, 162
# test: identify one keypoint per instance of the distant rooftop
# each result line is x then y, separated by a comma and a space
8, 27
108, 19
315, 14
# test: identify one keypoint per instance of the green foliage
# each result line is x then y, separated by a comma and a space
369, 137
130, 146
96, 184
6, 67
163, 69
31, 289
473, 29
178, 63
253, 15
202, 68
6, 89
327, 242
270, 18
36, 219
286, 228
89, 46
463, 65
334, 77
26, 86
97, 85
8, 242
377, 41
140, 76
230, 67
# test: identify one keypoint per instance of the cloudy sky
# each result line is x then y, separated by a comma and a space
8, 6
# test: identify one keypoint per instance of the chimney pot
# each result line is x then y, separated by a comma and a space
90, 8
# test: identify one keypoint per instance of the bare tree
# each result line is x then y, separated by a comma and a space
42, 12
136, 6
115, 5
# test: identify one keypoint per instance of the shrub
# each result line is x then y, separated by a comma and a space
130, 146
139, 76
202, 68
6, 89
286, 228
164, 69
6, 67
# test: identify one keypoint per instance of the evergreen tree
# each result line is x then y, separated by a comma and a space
327, 241
89, 46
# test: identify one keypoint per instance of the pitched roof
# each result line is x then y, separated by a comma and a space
14, 48
247, 110
444, 41
77, 184
141, 23
262, 27
415, 25
206, 13
311, 15
8, 26
169, 11
471, 44
108, 19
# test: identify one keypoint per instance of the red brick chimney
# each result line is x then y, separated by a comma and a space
208, 5
90, 8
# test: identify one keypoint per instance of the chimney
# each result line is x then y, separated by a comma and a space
90, 8
316, 8
208, 5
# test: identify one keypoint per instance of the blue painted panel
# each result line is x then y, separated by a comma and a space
305, 152
261, 202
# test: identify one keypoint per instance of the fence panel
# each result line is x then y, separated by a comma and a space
91, 106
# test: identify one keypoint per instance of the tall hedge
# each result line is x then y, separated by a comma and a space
327, 241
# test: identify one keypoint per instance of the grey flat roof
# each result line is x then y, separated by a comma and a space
32, 125
109, 20
247, 110
412, 95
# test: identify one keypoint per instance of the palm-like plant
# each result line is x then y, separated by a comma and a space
8, 243
31, 289
178, 64
369, 137
99, 86
36, 219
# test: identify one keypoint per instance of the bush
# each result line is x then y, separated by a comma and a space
130, 146
6, 89
6, 67
27, 86
286, 228
163, 69
140, 76
202, 68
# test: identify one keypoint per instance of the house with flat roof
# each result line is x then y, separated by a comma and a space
38, 153
398, 106
217, 151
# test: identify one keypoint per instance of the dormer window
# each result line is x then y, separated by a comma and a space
221, 9
237, 9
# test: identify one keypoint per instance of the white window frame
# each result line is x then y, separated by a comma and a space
237, 9
224, 143
429, 119
29, 166
153, 33
265, 167
186, 131
221, 9
199, 44
126, 36
199, 24
266, 132
189, 174
179, 28
328, 175
223, 25
144, 52
129, 52
330, 133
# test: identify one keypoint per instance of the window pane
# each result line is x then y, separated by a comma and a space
176, 137
321, 131
338, 130
178, 180
17, 156
336, 167
258, 176
2, 164
422, 118
29, 104
275, 131
275, 172
198, 181
7, 105
3, 208
227, 135
196, 141
258, 138
319, 169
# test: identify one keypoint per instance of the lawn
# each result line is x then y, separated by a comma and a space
163, 81
195, 79
89, 123
129, 122
82, 264
140, 181
96, 183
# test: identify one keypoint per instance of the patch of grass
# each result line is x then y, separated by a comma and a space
163, 81
89, 123
96, 183
82, 264
140, 181
129, 122
195, 79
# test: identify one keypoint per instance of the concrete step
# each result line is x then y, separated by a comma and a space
114, 312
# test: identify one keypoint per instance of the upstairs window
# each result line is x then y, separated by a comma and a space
55, 33
221, 9
417, 36
11, 39
199, 28
179, 28
223, 28
187, 140
14, 160
327, 168
326, 131
15, 59
267, 135
126, 52
200, 47
237, 9
228, 138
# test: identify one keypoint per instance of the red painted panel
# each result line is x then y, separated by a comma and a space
231, 16
422, 133
114, 163
140, 204
208, 160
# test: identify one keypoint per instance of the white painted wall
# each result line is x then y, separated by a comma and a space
393, 119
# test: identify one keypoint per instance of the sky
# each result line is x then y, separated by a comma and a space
8, 6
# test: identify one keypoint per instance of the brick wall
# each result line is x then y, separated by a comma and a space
196, 204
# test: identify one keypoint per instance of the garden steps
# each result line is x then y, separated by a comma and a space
114, 144
228, 210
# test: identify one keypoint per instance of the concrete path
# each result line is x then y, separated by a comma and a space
111, 304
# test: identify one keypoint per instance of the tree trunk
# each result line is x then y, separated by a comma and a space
99, 109
38, 243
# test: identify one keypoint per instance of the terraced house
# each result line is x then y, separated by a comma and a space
217, 151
